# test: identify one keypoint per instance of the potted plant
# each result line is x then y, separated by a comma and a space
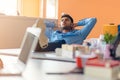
108, 38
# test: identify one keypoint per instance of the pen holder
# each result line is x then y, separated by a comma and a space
81, 61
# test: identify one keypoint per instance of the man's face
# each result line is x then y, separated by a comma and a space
66, 23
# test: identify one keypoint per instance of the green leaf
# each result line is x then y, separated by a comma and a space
108, 38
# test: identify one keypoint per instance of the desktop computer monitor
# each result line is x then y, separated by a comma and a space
115, 44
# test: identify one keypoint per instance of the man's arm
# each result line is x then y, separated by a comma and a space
49, 28
88, 24
86, 21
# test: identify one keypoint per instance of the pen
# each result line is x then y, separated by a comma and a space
57, 73
63, 73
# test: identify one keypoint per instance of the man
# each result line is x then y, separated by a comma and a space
67, 34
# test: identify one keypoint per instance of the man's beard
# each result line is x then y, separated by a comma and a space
69, 28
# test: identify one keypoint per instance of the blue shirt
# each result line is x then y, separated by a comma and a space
74, 36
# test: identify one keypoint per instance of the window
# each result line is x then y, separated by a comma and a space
8, 7
49, 8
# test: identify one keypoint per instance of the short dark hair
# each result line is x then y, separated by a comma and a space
67, 15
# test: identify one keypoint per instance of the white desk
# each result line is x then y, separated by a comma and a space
36, 70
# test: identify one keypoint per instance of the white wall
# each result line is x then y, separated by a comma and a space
12, 29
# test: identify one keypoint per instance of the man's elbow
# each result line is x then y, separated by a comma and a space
94, 19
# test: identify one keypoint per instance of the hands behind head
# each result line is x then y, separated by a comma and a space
74, 25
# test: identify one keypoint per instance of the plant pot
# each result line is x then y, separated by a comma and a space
107, 51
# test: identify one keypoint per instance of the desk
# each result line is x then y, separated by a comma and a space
36, 69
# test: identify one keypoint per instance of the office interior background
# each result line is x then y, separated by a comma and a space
106, 11
17, 15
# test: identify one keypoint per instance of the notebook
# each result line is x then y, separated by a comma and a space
28, 44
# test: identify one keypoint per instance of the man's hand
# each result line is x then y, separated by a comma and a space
74, 25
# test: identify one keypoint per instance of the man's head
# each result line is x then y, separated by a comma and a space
66, 22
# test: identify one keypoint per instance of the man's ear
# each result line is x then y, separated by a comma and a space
72, 26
